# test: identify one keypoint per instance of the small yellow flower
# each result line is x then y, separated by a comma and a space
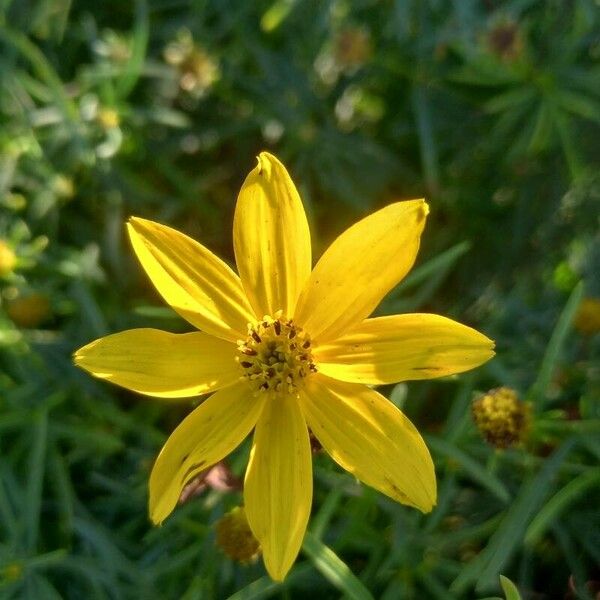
235, 537
287, 349
108, 118
8, 259
501, 417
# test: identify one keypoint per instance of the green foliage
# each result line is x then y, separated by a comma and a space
157, 108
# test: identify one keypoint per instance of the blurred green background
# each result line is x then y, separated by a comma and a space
157, 108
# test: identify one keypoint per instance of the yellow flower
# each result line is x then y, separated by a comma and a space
287, 349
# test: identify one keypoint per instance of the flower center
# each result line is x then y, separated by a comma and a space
276, 355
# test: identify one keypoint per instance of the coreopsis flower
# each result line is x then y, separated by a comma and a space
286, 350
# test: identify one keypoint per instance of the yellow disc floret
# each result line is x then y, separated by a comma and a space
276, 355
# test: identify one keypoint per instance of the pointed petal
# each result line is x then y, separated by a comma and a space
278, 486
195, 282
203, 438
359, 268
369, 437
403, 347
271, 238
163, 364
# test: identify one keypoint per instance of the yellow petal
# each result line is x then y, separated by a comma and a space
162, 364
369, 437
195, 282
203, 438
403, 347
278, 486
359, 268
271, 238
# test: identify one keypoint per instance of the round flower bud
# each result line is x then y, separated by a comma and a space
235, 537
587, 319
30, 310
502, 419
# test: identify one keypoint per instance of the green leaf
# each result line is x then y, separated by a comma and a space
422, 109
486, 567
558, 504
276, 14
134, 66
334, 569
37, 467
510, 99
542, 130
431, 274
265, 587
538, 391
440, 264
471, 467
509, 588
42, 67
331, 503
580, 105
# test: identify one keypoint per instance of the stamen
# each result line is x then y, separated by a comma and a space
276, 355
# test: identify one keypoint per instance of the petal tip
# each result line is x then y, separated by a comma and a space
422, 208
266, 163
138, 223
156, 521
132, 225
276, 572
80, 355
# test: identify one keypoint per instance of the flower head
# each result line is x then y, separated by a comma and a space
287, 349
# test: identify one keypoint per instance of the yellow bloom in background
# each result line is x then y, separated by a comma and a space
286, 349
8, 259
